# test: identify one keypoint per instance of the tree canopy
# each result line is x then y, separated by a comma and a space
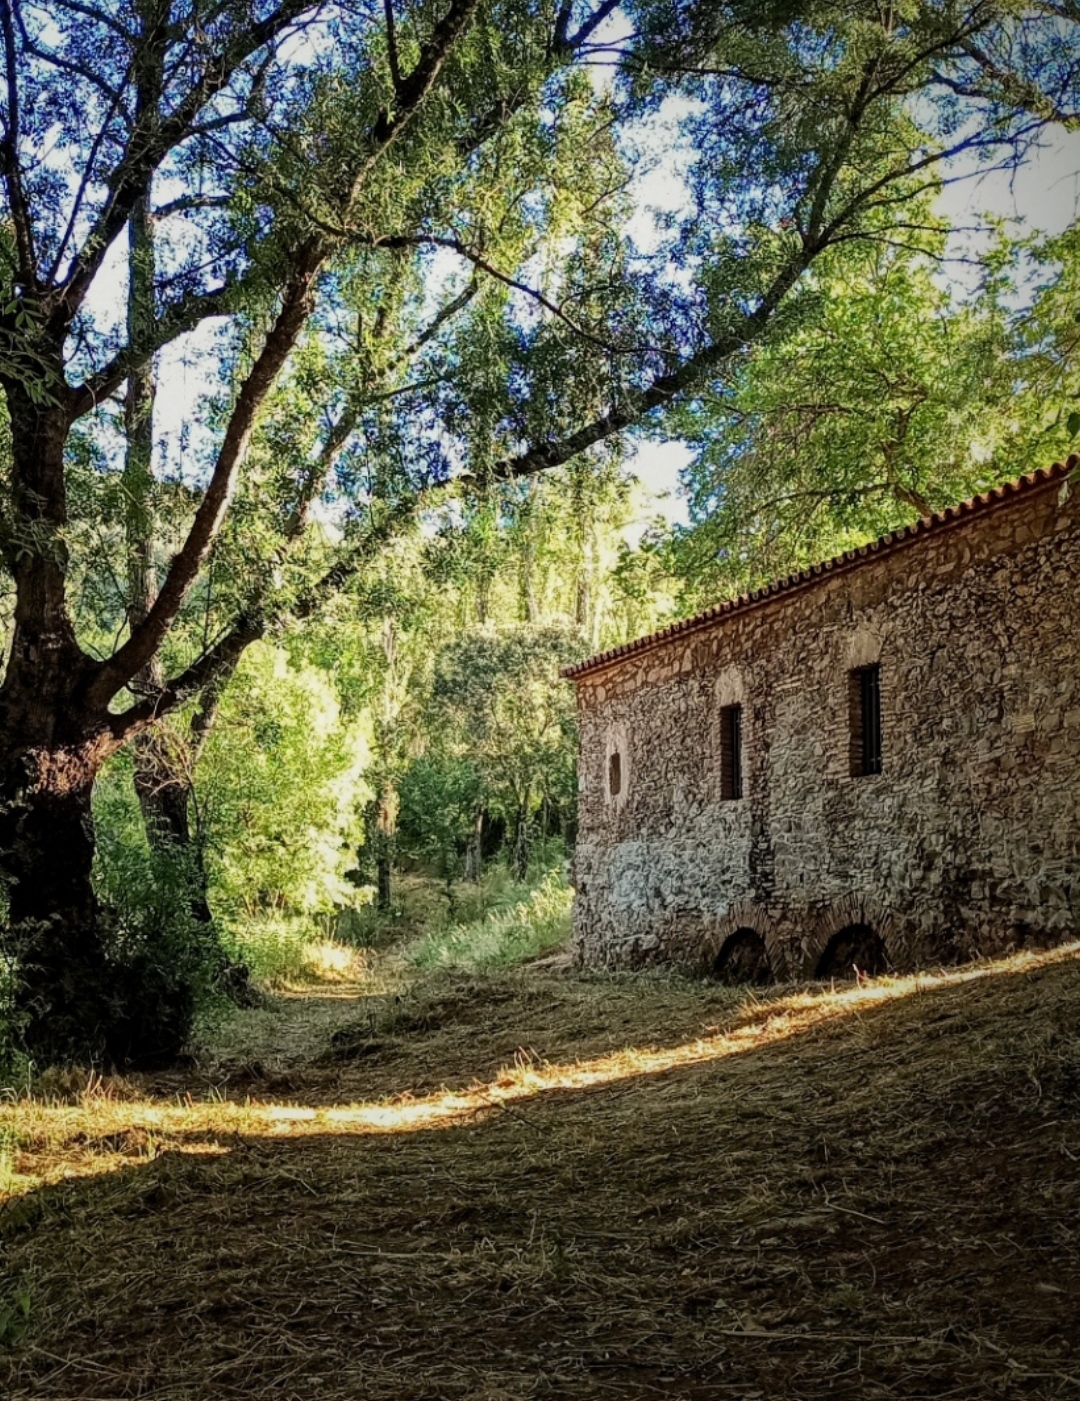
889, 397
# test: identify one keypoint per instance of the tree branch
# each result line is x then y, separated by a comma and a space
297, 303
437, 322
223, 655
315, 478
94, 13
145, 639
257, 621
151, 141
662, 390
76, 69
186, 203
562, 24
1018, 91
455, 245
589, 26
391, 47
182, 316
416, 86
84, 185
20, 214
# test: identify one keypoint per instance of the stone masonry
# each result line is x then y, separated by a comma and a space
967, 842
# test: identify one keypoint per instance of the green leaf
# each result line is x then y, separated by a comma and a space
1073, 423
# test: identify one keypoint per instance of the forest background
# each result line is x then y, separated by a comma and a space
297, 631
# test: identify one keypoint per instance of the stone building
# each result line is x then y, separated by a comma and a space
874, 762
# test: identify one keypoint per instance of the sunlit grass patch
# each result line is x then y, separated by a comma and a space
536, 922
10, 1180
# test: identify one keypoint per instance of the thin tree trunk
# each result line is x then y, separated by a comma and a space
163, 765
581, 602
474, 852
164, 784
520, 860
163, 787
163, 797
483, 599
159, 783
384, 899
530, 610
528, 606
164, 772
385, 833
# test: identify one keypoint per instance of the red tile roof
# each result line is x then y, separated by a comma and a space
941, 520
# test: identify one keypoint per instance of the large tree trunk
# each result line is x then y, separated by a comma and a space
49, 758
51, 747
74, 997
71, 1000
54, 932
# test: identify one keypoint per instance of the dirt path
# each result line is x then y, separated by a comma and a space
545, 1186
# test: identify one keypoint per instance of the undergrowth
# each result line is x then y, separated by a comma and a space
519, 923
285, 950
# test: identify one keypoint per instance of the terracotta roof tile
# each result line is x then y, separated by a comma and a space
940, 520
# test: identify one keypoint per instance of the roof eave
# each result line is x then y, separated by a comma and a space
851, 559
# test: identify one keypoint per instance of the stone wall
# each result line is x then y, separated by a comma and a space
967, 842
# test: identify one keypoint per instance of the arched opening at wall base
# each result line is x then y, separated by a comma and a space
853, 950
743, 960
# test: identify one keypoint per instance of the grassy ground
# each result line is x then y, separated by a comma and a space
538, 1184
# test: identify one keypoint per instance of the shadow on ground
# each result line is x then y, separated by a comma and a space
449, 1031
884, 1205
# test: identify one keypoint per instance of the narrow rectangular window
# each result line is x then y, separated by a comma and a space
731, 781
864, 702
614, 775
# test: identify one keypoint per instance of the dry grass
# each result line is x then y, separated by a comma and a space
544, 1185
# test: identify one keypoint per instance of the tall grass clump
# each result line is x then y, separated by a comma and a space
12, 1061
537, 921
